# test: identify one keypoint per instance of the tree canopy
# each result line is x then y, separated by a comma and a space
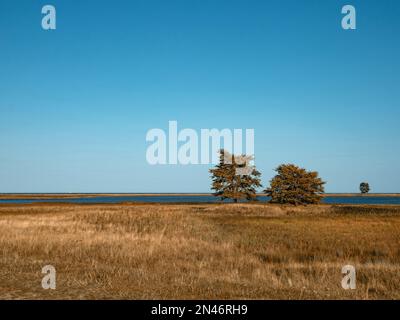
295, 185
234, 178
364, 187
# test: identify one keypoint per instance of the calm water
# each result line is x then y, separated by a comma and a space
203, 199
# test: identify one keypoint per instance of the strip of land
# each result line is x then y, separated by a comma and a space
39, 196
202, 251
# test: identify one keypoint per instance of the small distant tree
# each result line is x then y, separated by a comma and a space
234, 178
294, 185
364, 187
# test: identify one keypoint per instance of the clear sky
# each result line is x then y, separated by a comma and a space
76, 102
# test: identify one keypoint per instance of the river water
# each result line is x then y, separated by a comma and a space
196, 198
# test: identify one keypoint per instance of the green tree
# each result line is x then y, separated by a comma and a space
233, 178
294, 185
364, 187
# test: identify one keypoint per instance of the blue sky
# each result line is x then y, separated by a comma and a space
76, 102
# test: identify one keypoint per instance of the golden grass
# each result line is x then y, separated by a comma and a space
232, 251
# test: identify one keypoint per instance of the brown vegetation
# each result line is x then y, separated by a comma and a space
234, 178
242, 251
295, 185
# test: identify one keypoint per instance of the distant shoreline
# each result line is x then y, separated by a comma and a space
12, 196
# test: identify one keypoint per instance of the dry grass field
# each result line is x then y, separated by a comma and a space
205, 251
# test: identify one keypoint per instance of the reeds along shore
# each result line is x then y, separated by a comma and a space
199, 251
